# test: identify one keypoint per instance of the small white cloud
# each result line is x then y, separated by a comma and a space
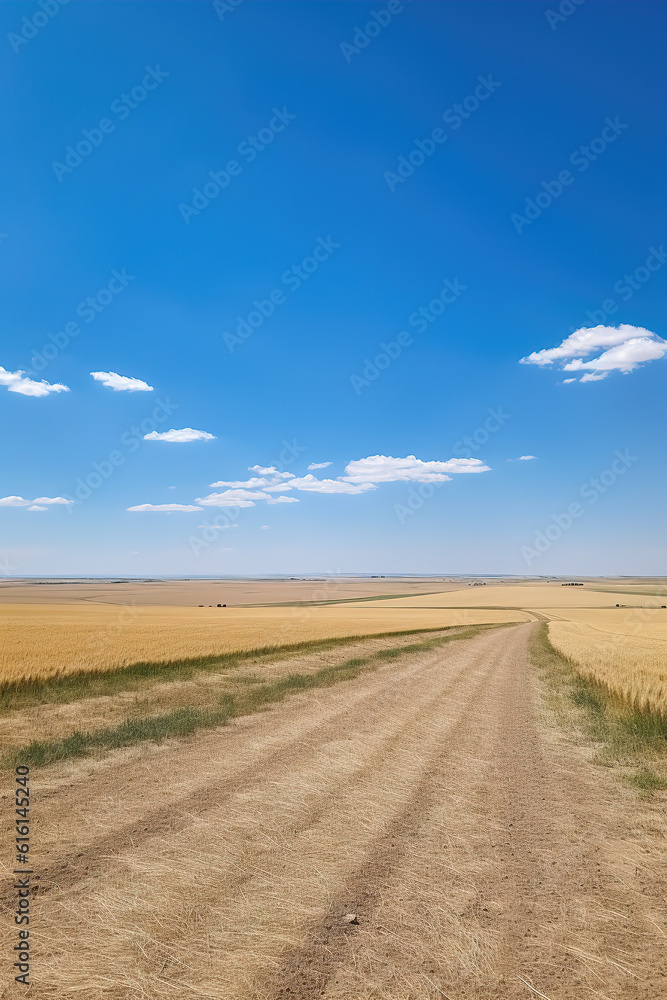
247, 484
270, 471
566, 380
164, 506
181, 436
624, 357
16, 382
231, 497
121, 382
627, 347
264, 527
318, 465
35, 506
284, 500
312, 485
385, 469
38, 502
171, 487
526, 458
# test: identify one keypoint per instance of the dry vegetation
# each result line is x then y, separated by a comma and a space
44, 640
622, 650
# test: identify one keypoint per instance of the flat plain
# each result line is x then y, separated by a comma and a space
415, 813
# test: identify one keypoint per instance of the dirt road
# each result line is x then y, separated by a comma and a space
482, 853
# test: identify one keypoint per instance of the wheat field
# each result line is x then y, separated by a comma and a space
46, 640
624, 650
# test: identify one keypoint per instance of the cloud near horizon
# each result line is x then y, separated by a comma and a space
121, 382
17, 382
626, 348
164, 506
32, 504
182, 436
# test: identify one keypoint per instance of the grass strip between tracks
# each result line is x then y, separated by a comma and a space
626, 736
186, 720
63, 688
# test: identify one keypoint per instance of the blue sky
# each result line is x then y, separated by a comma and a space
311, 222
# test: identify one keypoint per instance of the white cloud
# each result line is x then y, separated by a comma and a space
627, 347
385, 469
120, 382
37, 507
20, 502
269, 478
318, 465
284, 500
270, 471
164, 506
16, 382
312, 485
264, 527
567, 380
181, 436
231, 497
623, 357
526, 458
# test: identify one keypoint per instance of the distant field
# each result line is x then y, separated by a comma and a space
67, 627
529, 595
43, 640
230, 592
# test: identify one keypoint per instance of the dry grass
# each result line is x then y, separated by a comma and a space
537, 595
42, 641
622, 650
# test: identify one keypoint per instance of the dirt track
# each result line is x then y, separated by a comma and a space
484, 856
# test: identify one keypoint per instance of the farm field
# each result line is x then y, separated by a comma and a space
392, 815
417, 830
42, 640
624, 649
230, 592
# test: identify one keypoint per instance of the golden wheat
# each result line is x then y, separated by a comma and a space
622, 649
44, 640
